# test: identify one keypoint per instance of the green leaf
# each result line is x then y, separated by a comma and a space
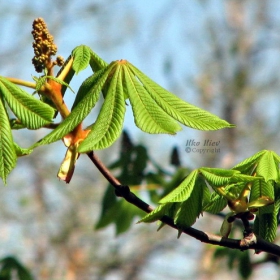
96, 63
9, 265
267, 167
190, 209
81, 55
178, 109
249, 164
108, 125
32, 112
261, 188
92, 89
148, 116
7, 150
217, 176
156, 214
216, 205
87, 85
183, 191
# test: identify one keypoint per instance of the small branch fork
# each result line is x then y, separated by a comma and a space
250, 240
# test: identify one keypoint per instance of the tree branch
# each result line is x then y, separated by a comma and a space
250, 241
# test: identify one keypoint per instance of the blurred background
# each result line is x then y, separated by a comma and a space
222, 56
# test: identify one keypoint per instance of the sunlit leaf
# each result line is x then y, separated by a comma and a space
148, 116
156, 214
7, 150
81, 55
267, 167
190, 209
108, 125
178, 109
183, 191
32, 112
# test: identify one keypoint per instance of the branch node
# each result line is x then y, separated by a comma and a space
122, 191
248, 240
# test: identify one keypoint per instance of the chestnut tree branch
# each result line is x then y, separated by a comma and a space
250, 241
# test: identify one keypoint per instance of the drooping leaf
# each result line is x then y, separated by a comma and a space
96, 63
183, 191
178, 109
7, 150
217, 176
265, 225
87, 85
148, 116
267, 167
108, 125
216, 204
156, 214
249, 164
32, 112
261, 188
81, 110
190, 209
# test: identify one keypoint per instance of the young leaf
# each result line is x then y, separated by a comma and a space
7, 150
92, 89
81, 55
87, 85
148, 116
190, 209
249, 164
261, 188
183, 191
216, 204
178, 109
108, 125
217, 176
31, 112
96, 63
156, 214
268, 167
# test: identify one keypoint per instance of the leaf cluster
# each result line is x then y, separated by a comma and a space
212, 189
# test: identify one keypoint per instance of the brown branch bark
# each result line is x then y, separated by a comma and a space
249, 242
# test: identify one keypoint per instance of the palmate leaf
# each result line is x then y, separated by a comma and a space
32, 112
91, 93
148, 116
7, 150
183, 191
108, 125
178, 109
